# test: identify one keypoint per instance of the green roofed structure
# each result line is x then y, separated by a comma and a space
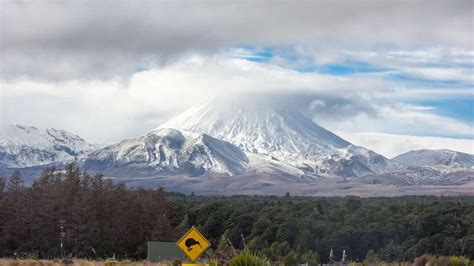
163, 251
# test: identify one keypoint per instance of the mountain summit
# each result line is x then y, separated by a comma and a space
280, 133
262, 127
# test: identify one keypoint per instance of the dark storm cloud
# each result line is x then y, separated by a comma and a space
91, 39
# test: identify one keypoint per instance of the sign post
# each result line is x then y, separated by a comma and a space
193, 244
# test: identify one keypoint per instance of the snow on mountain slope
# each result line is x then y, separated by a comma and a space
435, 158
24, 146
421, 175
427, 167
169, 151
259, 128
282, 133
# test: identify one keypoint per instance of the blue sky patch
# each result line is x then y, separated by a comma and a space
415, 80
350, 68
460, 108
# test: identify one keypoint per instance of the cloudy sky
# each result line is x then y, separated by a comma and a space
389, 75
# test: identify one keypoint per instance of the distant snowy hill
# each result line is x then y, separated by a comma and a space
416, 175
168, 151
428, 167
26, 146
435, 158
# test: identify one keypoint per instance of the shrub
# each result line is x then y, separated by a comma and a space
310, 257
291, 258
371, 258
423, 260
459, 261
83, 263
110, 261
442, 260
246, 258
126, 262
67, 261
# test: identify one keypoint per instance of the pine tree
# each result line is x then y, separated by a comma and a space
184, 226
2, 184
15, 183
162, 230
15, 212
225, 249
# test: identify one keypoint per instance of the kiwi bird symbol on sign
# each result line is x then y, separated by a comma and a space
190, 242
193, 244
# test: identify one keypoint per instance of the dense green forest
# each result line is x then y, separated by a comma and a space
102, 219
392, 229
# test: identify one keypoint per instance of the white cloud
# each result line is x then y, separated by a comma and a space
391, 145
316, 104
442, 73
437, 64
398, 118
64, 40
429, 62
108, 111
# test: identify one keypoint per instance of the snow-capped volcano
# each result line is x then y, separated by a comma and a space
237, 137
280, 132
26, 146
259, 127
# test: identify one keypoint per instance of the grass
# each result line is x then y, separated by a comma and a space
247, 258
108, 262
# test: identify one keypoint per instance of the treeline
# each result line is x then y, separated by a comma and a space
102, 219
305, 229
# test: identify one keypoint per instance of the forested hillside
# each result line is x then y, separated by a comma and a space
102, 219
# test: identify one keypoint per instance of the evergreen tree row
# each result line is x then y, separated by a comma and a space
100, 218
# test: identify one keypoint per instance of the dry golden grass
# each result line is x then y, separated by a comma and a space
29, 262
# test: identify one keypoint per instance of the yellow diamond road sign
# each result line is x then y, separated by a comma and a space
193, 244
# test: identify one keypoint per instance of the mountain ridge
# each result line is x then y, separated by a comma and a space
170, 151
426, 157
27, 146
231, 146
